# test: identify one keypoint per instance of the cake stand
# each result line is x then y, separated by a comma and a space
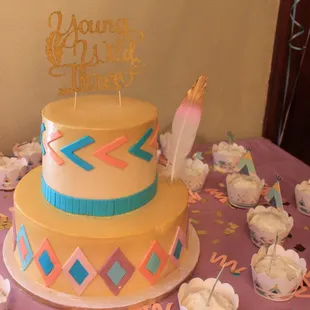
148, 296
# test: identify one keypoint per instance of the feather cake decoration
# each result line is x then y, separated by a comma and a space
184, 128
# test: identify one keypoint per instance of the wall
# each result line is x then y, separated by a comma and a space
229, 40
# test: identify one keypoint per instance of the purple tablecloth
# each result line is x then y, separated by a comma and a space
269, 160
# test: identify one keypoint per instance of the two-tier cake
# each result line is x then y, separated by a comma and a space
103, 224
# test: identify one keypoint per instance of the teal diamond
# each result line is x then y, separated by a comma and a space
178, 249
116, 273
78, 272
153, 264
46, 263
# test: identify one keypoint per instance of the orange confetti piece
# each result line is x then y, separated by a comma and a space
204, 200
219, 221
208, 152
193, 221
216, 241
228, 231
191, 200
219, 213
191, 194
8, 225
219, 195
233, 225
221, 184
195, 211
202, 232
222, 259
197, 196
306, 227
223, 200
209, 190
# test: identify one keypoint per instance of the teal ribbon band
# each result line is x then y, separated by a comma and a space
98, 207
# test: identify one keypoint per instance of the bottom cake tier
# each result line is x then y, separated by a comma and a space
100, 256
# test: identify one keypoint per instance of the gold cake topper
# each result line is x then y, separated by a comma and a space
85, 55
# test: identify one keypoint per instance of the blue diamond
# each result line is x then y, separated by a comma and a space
153, 264
178, 249
46, 263
78, 272
116, 273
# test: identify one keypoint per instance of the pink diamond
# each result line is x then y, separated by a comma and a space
116, 271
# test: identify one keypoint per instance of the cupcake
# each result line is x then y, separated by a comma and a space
195, 294
12, 169
5, 288
195, 173
31, 151
226, 155
277, 273
302, 196
244, 187
265, 223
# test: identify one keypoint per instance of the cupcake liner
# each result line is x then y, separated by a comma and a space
302, 200
195, 174
5, 289
264, 238
243, 197
31, 152
197, 284
10, 175
276, 289
225, 161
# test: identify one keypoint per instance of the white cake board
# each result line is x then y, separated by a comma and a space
145, 297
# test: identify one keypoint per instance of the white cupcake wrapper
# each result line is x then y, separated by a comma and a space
31, 152
243, 197
5, 288
276, 289
263, 238
196, 284
303, 197
10, 175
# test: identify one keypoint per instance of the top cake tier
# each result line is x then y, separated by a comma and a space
99, 151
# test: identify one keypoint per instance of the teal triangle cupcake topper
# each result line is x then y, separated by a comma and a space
246, 164
274, 194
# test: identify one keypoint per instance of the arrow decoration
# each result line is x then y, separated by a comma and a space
102, 153
70, 149
41, 138
136, 150
49, 139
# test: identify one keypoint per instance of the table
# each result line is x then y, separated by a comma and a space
269, 160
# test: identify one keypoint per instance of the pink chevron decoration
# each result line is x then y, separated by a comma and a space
153, 141
49, 139
102, 153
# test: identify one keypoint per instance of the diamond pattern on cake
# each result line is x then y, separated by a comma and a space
116, 271
24, 248
47, 263
178, 244
79, 271
154, 263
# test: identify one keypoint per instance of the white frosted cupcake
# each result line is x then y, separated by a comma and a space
194, 295
195, 174
30, 151
12, 169
302, 195
277, 273
226, 156
243, 190
266, 223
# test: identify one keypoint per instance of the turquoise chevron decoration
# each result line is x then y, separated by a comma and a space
70, 149
41, 140
136, 150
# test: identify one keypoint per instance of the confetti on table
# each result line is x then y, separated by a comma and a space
2, 227
223, 200
193, 221
306, 227
202, 232
219, 221
221, 184
195, 211
8, 225
208, 152
219, 213
228, 231
11, 209
3, 218
299, 248
216, 241
204, 200
211, 190
235, 274
233, 225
